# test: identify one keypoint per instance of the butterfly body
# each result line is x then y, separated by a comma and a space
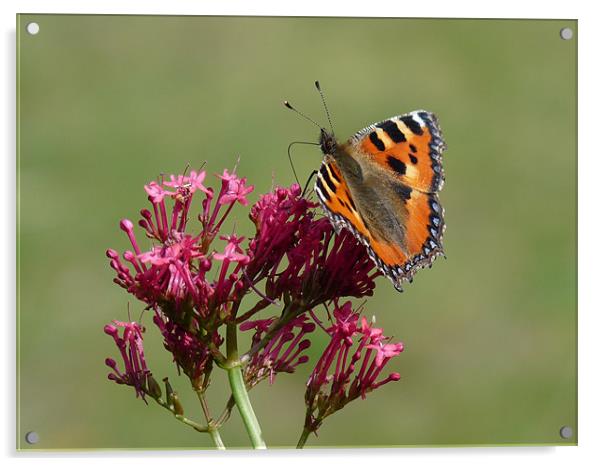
382, 185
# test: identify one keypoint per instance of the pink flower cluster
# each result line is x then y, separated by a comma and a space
172, 277
294, 262
135, 372
173, 272
349, 367
191, 354
300, 256
282, 353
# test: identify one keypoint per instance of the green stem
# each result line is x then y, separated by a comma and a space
303, 438
189, 422
239, 390
217, 439
241, 397
212, 429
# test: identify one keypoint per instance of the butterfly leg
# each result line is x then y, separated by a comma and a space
313, 173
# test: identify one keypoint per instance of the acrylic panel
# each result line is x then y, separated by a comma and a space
110, 104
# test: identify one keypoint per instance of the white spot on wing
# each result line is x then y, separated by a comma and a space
417, 118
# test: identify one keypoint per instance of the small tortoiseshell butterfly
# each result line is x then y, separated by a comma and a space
382, 185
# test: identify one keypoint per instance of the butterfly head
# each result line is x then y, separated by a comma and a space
328, 142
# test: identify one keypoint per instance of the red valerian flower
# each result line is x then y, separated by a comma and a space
234, 189
278, 216
171, 276
301, 256
190, 353
295, 261
174, 270
282, 353
349, 367
135, 371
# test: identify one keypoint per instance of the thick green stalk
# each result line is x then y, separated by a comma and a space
241, 397
239, 390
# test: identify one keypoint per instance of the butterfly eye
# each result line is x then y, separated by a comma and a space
328, 143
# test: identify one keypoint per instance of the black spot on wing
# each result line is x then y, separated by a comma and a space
392, 130
351, 201
334, 174
413, 159
320, 187
324, 171
425, 116
412, 124
396, 165
405, 192
413, 148
376, 141
325, 175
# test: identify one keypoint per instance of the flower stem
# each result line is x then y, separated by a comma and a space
303, 438
212, 429
239, 390
226, 412
241, 397
195, 425
217, 439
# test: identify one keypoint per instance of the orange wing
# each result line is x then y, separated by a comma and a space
424, 230
408, 146
421, 214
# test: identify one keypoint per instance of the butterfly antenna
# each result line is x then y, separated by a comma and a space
317, 83
290, 107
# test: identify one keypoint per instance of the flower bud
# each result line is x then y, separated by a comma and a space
129, 256
154, 389
110, 330
204, 264
177, 406
168, 391
304, 345
112, 254
126, 225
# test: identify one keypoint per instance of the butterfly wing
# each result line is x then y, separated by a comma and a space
408, 146
396, 215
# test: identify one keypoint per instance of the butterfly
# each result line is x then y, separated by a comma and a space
382, 185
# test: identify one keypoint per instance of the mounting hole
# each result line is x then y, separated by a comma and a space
32, 437
566, 33
566, 432
33, 28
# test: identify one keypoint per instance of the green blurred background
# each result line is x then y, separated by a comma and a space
106, 103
